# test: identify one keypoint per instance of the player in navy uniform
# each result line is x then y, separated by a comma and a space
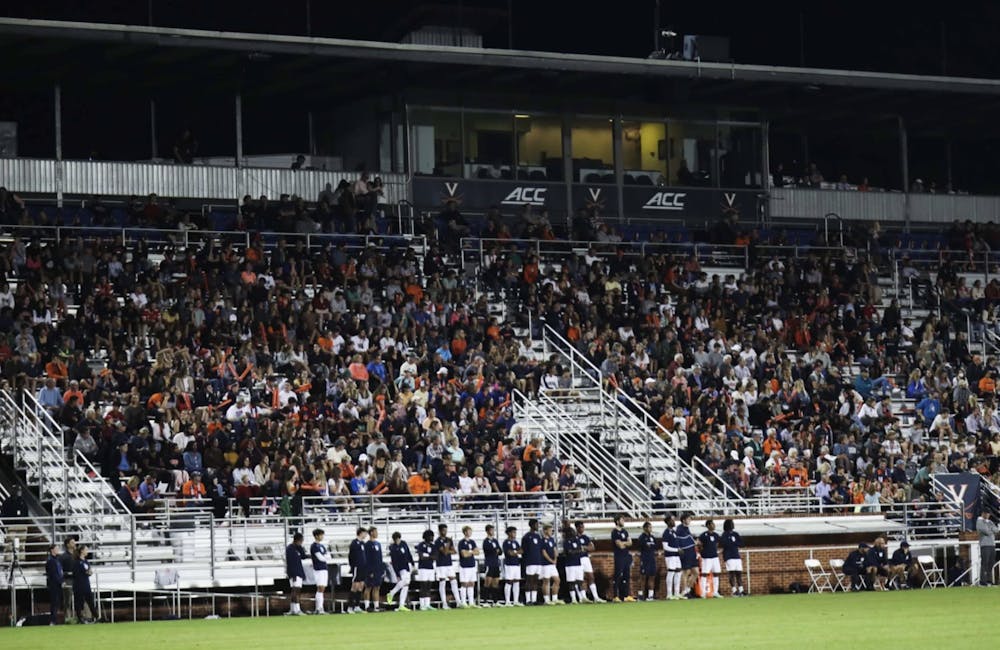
671, 559
401, 561
445, 548
572, 551
899, 566
512, 569
731, 544
647, 562
709, 541
688, 554
294, 554
320, 561
468, 568
375, 565
550, 573
531, 547
82, 592
359, 569
426, 574
623, 561
54, 578
491, 593
587, 547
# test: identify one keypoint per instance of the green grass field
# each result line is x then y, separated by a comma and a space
959, 618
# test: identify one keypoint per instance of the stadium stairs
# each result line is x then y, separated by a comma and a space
633, 437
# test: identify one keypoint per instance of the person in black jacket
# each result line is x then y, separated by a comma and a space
875, 563
83, 594
854, 566
68, 561
294, 554
54, 582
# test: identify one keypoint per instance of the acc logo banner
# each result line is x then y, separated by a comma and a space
526, 196
666, 201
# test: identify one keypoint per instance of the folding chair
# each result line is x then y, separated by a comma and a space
933, 576
837, 572
820, 578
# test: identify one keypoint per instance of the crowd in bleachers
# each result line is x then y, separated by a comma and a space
283, 371
273, 371
783, 376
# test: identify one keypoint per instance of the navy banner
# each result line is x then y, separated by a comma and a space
650, 202
964, 488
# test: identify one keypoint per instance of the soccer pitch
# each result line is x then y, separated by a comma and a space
963, 618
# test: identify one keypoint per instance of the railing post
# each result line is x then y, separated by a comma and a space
66, 485
211, 548
131, 518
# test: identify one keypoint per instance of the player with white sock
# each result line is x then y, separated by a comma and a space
401, 561
710, 560
672, 559
320, 561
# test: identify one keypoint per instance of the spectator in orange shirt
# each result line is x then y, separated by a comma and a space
193, 491
533, 450
988, 384
56, 369
530, 273
459, 344
73, 391
771, 443
419, 483
358, 370
798, 475
248, 277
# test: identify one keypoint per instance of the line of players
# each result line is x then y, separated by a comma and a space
504, 561
689, 560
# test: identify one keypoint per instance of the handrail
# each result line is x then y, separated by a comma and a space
637, 489
626, 407
185, 237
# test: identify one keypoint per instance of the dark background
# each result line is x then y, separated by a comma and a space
112, 121
885, 36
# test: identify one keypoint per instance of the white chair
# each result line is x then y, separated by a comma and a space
933, 575
843, 583
819, 577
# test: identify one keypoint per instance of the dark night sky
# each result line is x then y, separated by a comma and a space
871, 35
883, 36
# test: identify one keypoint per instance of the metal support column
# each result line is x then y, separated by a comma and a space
312, 133
616, 146
154, 152
567, 152
57, 106
947, 161
904, 162
764, 204
239, 130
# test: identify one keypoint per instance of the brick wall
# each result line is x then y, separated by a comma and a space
765, 570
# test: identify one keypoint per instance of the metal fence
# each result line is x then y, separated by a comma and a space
86, 177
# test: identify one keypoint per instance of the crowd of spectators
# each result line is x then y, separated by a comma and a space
275, 372
283, 371
783, 376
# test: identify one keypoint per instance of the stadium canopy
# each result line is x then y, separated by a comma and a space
38, 53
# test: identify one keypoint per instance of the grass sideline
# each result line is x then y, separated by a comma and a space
961, 617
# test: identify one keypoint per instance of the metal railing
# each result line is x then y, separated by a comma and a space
185, 238
211, 182
608, 486
637, 436
74, 492
715, 254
